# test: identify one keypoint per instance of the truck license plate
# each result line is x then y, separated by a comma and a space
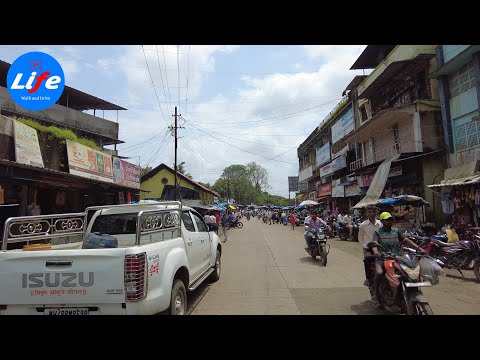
66, 311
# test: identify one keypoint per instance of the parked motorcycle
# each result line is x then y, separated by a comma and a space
318, 245
400, 287
461, 255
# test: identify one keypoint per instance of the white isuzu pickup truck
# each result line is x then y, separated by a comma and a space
118, 259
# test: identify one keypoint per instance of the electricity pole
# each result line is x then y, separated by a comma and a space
176, 143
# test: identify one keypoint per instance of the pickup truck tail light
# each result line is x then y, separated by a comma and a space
135, 276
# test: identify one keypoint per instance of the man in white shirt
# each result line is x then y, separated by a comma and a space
365, 236
347, 219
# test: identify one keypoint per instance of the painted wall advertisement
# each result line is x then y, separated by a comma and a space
125, 173
324, 190
27, 148
88, 162
323, 154
343, 126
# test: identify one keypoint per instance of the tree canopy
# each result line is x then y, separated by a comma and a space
247, 184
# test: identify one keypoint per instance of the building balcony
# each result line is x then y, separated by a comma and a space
384, 153
398, 58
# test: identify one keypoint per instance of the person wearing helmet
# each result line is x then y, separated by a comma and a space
388, 239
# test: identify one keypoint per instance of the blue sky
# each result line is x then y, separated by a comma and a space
256, 98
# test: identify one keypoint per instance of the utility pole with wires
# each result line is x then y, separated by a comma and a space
175, 127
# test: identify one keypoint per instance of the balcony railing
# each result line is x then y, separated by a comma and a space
382, 154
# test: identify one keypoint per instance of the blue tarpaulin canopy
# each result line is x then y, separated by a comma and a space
404, 200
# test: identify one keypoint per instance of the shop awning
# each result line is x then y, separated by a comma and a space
378, 183
465, 174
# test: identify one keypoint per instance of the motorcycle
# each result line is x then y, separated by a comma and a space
399, 290
344, 233
461, 255
318, 245
332, 222
237, 224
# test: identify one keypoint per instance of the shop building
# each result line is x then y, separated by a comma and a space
43, 169
457, 188
398, 123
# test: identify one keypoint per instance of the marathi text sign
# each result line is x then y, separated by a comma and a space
323, 154
88, 162
125, 173
325, 189
338, 191
27, 148
343, 126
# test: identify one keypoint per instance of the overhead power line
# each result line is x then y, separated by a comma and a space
239, 148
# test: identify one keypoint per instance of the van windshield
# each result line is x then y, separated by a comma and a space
116, 224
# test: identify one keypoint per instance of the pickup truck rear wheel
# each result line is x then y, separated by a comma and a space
178, 300
215, 276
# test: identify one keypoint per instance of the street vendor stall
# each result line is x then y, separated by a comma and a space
408, 212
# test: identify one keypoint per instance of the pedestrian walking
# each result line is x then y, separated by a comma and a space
292, 220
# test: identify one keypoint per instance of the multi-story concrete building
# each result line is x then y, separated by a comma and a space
458, 74
398, 117
52, 185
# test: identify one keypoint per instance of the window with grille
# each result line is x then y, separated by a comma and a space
462, 80
467, 135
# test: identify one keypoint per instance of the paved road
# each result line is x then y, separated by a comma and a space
265, 270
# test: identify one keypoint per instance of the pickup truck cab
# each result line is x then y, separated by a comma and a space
120, 259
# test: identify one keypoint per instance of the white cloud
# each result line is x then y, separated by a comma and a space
274, 104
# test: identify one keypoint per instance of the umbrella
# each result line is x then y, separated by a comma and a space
308, 203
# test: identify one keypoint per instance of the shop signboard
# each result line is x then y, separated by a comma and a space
367, 178
90, 163
338, 191
326, 170
339, 163
352, 189
323, 154
396, 171
324, 190
311, 195
293, 183
125, 173
27, 147
343, 126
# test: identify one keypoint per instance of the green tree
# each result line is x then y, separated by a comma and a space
144, 170
181, 169
258, 176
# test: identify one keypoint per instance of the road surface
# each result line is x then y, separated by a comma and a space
265, 270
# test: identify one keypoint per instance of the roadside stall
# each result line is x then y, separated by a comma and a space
408, 212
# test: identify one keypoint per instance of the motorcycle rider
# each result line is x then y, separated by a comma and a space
388, 239
311, 223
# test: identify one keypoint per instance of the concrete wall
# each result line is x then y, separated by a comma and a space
399, 53
64, 116
433, 169
7, 145
450, 51
432, 131
406, 134
155, 185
